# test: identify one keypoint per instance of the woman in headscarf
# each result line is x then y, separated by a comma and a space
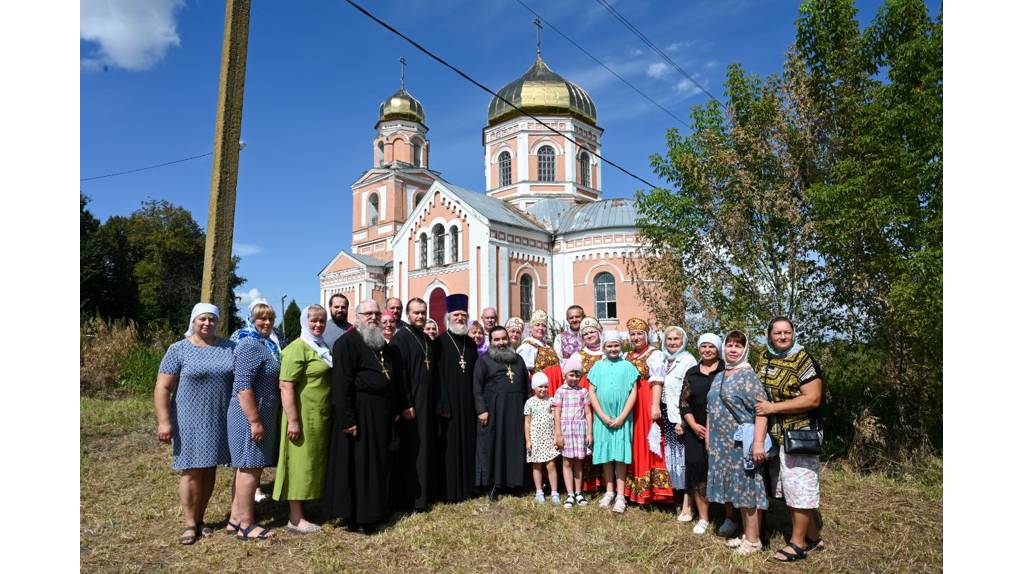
736, 442
306, 397
647, 478
252, 415
193, 386
535, 350
693, 407
677, 362
430, 329
792, 380
514, 327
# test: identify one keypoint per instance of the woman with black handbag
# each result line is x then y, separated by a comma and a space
792, 380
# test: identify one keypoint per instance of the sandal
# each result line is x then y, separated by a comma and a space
800, 554
204, 530
814, 545
233, 526
188, 536
243, 533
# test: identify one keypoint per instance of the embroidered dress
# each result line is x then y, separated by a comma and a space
647, 477
542, 430
537, 355
573, 403
612, 382
731, 403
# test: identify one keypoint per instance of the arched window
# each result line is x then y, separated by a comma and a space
604, 295
504, 169
438, 233
380, 153
416, 200
453, 235
525, 296
373, 207
417, 149
584, 169
423, 250
546, 163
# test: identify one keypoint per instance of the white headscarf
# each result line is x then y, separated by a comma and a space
318, 344
742, 361
539, 379
682, 348
198, 310
710, 338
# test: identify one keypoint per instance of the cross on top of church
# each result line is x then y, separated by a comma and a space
537, 23
401, 64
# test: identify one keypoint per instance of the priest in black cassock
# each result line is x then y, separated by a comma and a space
501, 385
413, 483
456, 448
367, 397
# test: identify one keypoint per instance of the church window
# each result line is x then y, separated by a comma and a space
454, 238
416, 201
380, 153
504, 169
546, 163
585, 169
417, 150
374, 206
604, 296
525, 296
438, 233
423, 250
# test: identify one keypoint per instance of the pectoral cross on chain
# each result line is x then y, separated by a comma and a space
462, 363
426, 361
511, 375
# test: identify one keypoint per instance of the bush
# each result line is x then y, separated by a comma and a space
137, 372
115, 358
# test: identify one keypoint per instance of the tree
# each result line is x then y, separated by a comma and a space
292, 326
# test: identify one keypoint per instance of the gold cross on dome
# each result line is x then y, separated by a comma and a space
401, 64
536, 22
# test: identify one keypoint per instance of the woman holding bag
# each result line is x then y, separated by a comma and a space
792, 380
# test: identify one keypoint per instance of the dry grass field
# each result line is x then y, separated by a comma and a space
130, 522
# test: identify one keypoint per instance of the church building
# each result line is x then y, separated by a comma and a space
539, 236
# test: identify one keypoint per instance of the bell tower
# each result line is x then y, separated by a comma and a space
386, 194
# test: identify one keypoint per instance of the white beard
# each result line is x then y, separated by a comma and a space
372, 336
458, 328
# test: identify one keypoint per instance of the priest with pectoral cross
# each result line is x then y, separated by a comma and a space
413, 487
456, 358
501, 385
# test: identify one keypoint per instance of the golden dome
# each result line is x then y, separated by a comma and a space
401, 106
541, 91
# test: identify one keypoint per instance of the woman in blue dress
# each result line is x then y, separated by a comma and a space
253, 415
732, 398
191, 403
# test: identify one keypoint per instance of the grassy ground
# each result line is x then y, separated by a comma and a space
130, 521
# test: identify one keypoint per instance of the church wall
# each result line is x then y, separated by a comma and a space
537, 268
627, 299
558, 143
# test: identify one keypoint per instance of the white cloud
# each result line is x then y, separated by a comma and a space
676, 46
246, 297
657, 70
686, 87
244, 249
130, 34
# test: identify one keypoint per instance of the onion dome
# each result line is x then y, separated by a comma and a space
541, 91
401, 106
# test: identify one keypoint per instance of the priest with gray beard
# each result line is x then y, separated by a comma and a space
456, 446
501, 385
367, 397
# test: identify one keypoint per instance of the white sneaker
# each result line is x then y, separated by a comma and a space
539, 498
701, 527
685, 516
729, 528
747, 547
580, 499
620, 504
555, 499
734, 542
606, 500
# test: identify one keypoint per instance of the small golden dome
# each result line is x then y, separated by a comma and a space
541, 91
401, 106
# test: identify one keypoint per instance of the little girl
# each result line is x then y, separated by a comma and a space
540, 439
573, 421
613, 394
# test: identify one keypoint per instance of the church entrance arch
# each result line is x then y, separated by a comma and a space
436, 307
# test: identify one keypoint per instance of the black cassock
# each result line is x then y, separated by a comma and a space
413, 483
501, 445
364, 397
456, 444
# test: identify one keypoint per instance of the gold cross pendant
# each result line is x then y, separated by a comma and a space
426, 361
387, 375
511, 375
462, 363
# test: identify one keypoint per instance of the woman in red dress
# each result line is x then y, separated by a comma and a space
647, 478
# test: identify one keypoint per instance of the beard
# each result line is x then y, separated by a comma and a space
372, 336
501, 354
457, 328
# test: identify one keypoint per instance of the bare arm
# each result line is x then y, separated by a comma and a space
559, 439
590, 425
526, 429
808, 399
656, 390
165, 385
247, 400
760, 430
697, 429
291, 411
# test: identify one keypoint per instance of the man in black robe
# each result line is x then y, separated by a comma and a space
456, 448
413, 483
501, 385
366, 396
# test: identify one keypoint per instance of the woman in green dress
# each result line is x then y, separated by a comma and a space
306, 398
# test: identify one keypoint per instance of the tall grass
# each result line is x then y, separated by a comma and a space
116, 358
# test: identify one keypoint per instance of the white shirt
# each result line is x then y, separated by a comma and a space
675, 372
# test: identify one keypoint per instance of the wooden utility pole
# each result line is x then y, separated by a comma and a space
221, 222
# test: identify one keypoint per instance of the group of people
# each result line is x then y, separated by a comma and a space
387, 414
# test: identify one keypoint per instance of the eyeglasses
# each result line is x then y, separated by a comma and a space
371, 314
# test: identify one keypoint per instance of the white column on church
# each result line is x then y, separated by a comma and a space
503, 279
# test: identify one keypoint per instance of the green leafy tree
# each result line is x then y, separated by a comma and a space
292, 326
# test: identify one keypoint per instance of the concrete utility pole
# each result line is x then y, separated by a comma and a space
221, 222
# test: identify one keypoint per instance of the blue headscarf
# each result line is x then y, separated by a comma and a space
250, 332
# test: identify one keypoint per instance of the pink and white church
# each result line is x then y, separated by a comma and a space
539, 236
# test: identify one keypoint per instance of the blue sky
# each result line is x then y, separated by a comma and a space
317, 72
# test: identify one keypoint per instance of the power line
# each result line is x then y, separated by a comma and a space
592, 57
629, 26
469, 79
147, 167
